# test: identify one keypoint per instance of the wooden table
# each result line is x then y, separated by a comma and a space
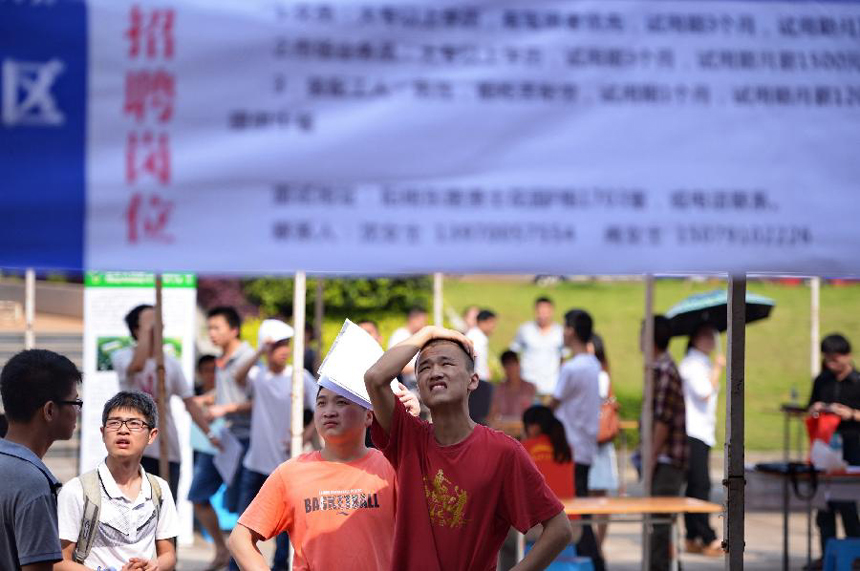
638, 506
634, 509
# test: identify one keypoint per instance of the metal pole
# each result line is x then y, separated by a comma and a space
437, 299
815, 327
29, 308
733, 532
319, 314
161, 401
299, 296
647, 412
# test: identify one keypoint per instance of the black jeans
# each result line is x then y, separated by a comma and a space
826, 521
587, 545
150, 465
667, 481
699, 487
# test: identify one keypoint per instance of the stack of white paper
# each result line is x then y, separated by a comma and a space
351, 355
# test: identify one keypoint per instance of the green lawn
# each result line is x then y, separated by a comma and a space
778, 349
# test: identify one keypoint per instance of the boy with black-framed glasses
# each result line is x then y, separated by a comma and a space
117, 517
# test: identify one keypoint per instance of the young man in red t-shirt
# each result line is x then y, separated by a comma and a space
461, 485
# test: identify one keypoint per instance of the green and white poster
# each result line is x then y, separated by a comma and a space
108, 297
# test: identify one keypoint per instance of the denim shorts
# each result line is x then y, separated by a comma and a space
207, 481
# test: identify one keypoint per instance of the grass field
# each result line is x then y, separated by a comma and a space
778, 349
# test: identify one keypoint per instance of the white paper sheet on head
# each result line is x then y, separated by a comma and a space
353, 352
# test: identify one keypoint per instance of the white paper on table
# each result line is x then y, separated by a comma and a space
353, 352
229, 456
825, 458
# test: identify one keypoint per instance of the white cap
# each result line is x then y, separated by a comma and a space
274, 330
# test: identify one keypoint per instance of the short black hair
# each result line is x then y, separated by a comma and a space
484, 315
599, 349
662, 332
470, 361
580, 321
134, 400
34, 377
509, 356
205, 359
416, 310
229, 313
835, 344
543, 299
132, 318
369, 322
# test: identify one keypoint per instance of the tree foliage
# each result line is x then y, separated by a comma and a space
354, 298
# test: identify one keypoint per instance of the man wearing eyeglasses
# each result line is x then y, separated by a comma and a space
134, 523
40, 396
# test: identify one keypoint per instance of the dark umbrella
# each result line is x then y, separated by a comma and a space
711, 308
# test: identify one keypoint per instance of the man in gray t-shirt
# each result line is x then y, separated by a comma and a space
40, 396
233, 403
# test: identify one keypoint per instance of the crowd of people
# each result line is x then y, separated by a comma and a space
437, 476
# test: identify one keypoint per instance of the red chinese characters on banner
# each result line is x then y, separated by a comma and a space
150, 33
147, 217
150, 97
149, 94
147, 154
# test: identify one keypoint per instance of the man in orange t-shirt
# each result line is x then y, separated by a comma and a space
336, 504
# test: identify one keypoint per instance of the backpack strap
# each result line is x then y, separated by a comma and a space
156, 494
157, 500
90, 517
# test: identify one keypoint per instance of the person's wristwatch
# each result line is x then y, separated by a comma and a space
211, 434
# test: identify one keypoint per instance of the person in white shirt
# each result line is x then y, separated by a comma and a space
701, 382
136, 521
416, 319
479, 335
137, 370
271, 386
576, 402
540, 344
603, 476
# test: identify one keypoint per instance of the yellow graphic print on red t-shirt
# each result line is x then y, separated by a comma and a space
446, 506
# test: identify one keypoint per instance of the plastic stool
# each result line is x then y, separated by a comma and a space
840, 554
226, 519
567, 560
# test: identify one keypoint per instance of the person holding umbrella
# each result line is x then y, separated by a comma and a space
701, 317
701, 383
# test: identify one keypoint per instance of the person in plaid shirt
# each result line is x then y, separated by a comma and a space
668, 460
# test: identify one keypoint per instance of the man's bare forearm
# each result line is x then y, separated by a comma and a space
243, 546
555, 536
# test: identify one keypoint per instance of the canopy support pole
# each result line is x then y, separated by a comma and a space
319, 315
733, 531
161, 402
298, 397
647, 420
815, 327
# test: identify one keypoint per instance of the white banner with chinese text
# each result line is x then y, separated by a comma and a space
543, 136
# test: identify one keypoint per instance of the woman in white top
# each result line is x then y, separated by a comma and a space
701, 382
603, 476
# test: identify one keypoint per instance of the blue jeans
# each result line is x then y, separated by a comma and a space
249, 487
207, 480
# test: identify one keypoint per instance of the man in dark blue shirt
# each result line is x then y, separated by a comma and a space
40, 396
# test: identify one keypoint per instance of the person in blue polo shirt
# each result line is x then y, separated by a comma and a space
40, 395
